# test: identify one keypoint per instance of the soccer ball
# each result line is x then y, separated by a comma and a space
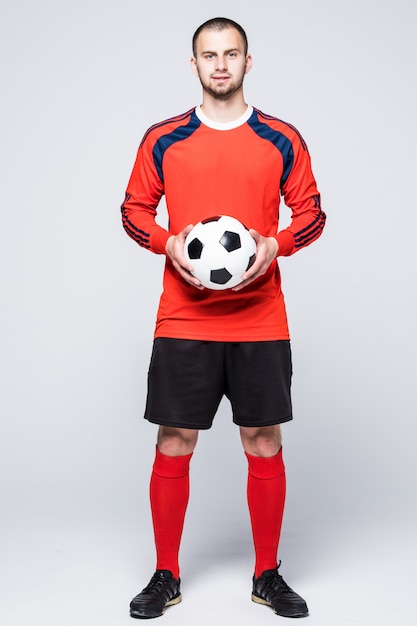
220, 249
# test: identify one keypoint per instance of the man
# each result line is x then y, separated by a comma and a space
223, 157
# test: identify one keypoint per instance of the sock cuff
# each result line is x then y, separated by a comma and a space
171, 466
266, 467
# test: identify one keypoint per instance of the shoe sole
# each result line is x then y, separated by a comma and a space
151, 614
259, 600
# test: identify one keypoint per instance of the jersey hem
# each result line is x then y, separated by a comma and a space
222, 338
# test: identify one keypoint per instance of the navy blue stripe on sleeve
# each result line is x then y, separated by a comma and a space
280, 141
166, 141
177, 118
308, 234
138, 235
297, 132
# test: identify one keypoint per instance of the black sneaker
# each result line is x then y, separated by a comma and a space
271, 589
162, 591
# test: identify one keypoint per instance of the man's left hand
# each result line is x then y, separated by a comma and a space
266, 252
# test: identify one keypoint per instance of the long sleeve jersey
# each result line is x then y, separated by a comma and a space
241, 169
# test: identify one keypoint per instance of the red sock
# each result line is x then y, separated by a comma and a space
169, 492
266, 499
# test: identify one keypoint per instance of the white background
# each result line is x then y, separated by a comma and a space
81, 82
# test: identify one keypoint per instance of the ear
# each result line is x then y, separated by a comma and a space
193, 64
249, 63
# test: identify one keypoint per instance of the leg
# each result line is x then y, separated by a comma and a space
169, 493
177, 398
266, 491
266, 499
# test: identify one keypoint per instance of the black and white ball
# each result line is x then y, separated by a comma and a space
220, 249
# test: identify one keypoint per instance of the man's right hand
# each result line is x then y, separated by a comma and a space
175, 251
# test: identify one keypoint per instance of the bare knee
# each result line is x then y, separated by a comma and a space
176, 441
264, 441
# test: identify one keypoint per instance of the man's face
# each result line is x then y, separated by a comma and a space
220, 62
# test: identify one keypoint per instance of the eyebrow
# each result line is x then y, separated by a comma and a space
225, 52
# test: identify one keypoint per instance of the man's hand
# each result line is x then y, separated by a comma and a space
175, 250
266, 252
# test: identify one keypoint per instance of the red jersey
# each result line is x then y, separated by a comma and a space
240, 169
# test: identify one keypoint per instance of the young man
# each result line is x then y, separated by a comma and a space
223, 157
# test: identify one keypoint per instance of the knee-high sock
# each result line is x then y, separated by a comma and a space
266, 500
169, 493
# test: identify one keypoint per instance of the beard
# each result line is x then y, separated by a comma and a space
222, 94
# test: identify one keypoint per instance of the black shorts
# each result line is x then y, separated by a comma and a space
187, 380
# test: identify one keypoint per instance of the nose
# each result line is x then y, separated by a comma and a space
221, 64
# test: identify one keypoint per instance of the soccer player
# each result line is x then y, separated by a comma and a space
222, 157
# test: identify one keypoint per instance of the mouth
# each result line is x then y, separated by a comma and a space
220, 81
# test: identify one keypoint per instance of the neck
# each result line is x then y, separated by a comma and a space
223, 110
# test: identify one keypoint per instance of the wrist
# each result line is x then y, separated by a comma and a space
285, 240
158, 240
168, 245
274, 246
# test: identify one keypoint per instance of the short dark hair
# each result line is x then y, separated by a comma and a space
220, 23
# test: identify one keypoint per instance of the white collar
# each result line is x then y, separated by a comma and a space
223, 125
